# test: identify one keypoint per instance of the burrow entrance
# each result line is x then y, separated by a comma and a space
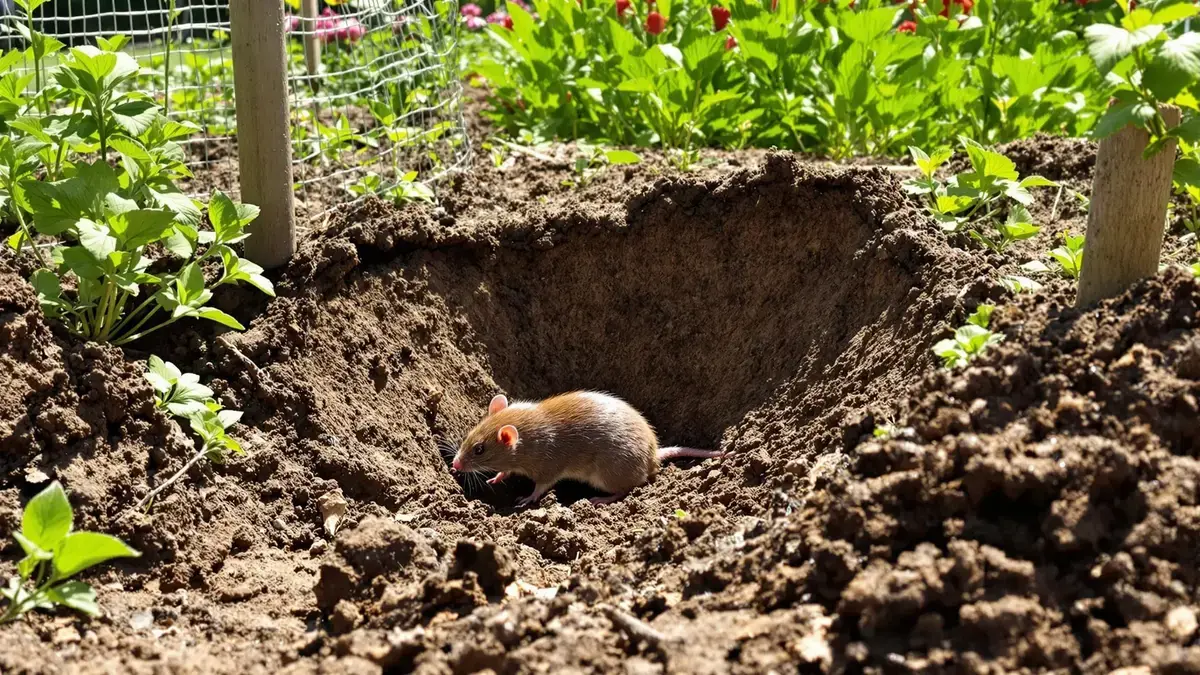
749, 314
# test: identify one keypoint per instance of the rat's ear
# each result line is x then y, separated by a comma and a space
508, 435
499, 402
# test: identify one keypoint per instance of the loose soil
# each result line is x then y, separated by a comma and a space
1034, 512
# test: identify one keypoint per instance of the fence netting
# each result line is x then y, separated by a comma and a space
375, 100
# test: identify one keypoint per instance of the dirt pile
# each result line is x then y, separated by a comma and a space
776, 312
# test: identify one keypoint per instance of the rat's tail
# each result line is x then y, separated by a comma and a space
676, 452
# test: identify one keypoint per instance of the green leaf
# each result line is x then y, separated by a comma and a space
135, 116
49, 290
1174, 66
1174, 13
76, 595
16, 240
96, 239
47, 518
1123, 114
138, 228
622, 157
1108, 45
81, 550
1037, 181
32, 550
190, 283
213, 314
182, 242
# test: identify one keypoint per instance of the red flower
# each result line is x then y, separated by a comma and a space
655, 23
623, 7
774, 5
508, 22
720, 17
730, 43
907, 27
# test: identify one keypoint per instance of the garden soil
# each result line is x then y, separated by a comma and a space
1034, 512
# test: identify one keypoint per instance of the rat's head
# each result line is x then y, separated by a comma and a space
492, 444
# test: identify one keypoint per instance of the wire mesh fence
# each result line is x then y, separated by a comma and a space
375, 101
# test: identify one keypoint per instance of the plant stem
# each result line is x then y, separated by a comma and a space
135, 335
25, 230
170, 481
167, 60
43, 105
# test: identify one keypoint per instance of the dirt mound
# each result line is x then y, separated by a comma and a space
1038, 515
758, 312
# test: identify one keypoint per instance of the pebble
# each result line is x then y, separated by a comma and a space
141, 620
1182, 624
318, 547
278, 524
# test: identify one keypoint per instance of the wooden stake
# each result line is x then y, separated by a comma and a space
264, 141
1128, 213
312, 45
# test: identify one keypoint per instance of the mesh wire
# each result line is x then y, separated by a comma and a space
385, 100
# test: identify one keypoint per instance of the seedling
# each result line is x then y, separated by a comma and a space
54, 553
592, 159
407, 189
1068, 258
182, 395
974, 198
1016, 283
970, 340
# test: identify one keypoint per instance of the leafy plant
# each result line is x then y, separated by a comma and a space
182, 395
107, 236
407, 189
971, 199
829, 78
970, 340
1151, 66
1068, 258
55, 552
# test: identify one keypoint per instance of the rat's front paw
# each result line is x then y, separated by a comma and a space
497, 478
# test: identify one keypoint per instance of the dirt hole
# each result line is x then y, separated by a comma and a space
706, 306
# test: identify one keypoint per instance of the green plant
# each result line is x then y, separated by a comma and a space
822, 77
970, 340
124, 234
1016, 283
407, 189
182, 395
1068, 258
55, 552
972, 199
1152, 67
592, 159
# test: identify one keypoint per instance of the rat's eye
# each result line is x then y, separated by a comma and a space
478, 449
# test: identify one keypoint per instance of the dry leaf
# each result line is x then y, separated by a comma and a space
333, 510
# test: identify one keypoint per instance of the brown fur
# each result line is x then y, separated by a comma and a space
570, 436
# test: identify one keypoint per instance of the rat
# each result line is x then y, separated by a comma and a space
584, 435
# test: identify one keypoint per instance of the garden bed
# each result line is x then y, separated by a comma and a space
1032, 512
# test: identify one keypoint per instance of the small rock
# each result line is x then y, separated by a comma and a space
318, 546
345, 617
141, 620
66, 635
278, 524
1181, 622
1133, 670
